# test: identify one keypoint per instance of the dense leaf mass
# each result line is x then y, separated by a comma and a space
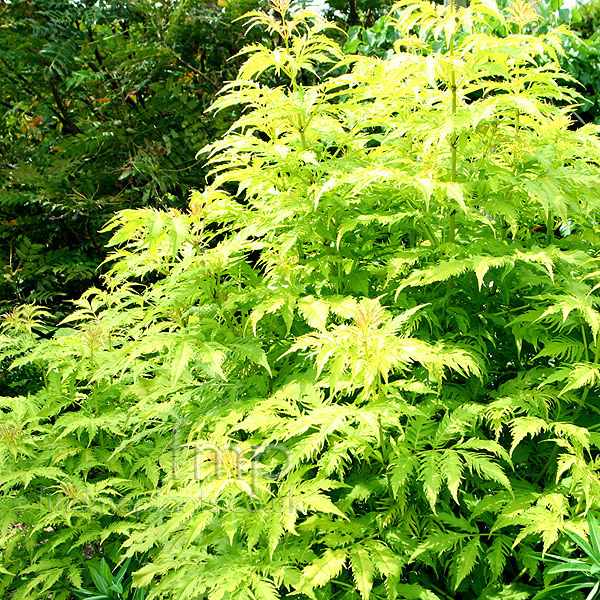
364, 363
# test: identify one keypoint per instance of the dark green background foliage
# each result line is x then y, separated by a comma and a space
582, 55
585, 57
586, 19
582, 61
357, 12
102, 108
363, 362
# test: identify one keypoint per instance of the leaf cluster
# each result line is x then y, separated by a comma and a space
364, 362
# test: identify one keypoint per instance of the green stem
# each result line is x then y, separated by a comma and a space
585, 344
44, 376
579, 503
547, 464
430, 235
586, 391
452, 216
435, 588
95, 397
452, 227
426, 229
342, 584
347, 586
384, 451
454, 138
97, 409
549, 228
521, 573
303, 139
487, 147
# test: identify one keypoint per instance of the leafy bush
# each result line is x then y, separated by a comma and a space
580, 57
363, 364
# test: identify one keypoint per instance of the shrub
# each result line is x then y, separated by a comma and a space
363, 364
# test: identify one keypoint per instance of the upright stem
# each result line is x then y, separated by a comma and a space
586, 391
454, 140
426, 229
96, 407
549, 228
585, 343
97, 411
95, 398
452, 227
303, 140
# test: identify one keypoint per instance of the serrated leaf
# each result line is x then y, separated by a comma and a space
523, 427
264, 589
181, 356
324, 569
496, 555
362, 571
465, 560
452, 469
431, 477
314, 312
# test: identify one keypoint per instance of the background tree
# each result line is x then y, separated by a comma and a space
363, 363
586, 19
357, 12
103, 108
583, 56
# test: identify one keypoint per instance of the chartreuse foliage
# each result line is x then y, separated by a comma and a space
363, 364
